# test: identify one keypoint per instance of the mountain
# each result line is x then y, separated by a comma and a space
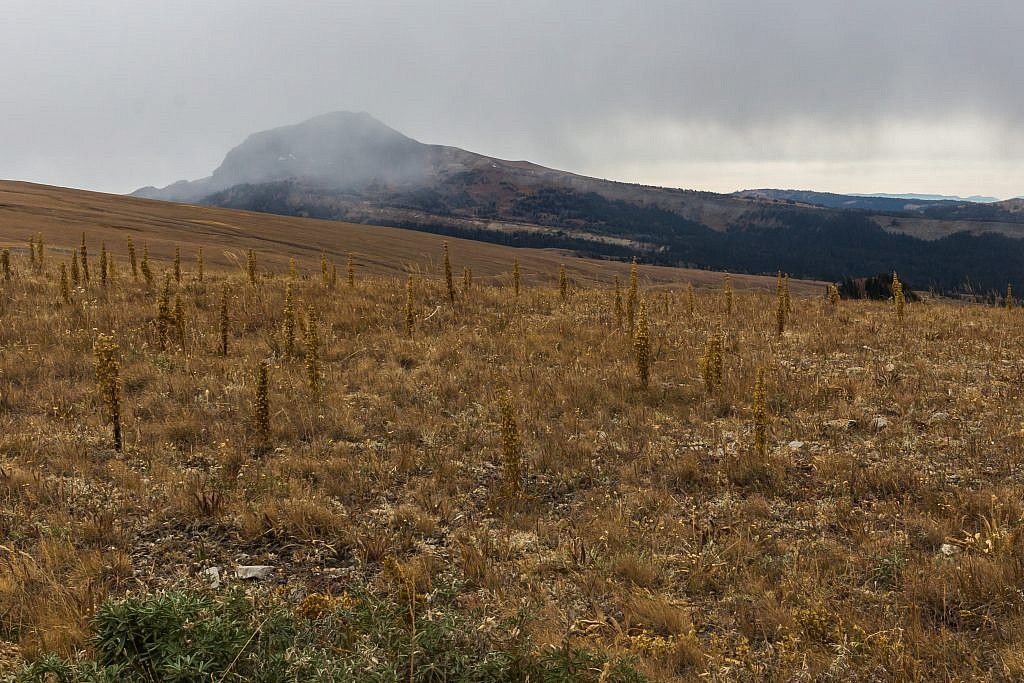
931, 204
342, 150
351, 167
885, 203
976, 198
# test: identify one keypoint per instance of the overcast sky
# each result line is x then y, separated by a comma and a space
838, 95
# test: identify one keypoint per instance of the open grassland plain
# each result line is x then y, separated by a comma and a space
444, 479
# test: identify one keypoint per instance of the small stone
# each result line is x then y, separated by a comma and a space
212, 576
796, 445
948, 549
880, 423
255, 571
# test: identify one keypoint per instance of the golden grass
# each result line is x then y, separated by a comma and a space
59, 215
881, 538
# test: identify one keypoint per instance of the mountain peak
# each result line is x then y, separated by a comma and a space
340, 150
338, 123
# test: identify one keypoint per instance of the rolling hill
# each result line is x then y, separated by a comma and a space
62, 215
350, 167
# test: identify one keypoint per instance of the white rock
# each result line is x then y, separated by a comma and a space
796, 445
948, 549
212, 576
255, 571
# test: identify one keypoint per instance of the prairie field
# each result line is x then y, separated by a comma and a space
459, 482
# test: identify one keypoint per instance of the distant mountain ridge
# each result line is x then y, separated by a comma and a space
977, 198
349, 166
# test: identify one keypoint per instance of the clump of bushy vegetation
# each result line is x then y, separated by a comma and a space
190, 635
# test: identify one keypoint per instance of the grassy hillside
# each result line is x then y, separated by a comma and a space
494, 482
61, 215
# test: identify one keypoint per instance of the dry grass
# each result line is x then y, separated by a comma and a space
888, 544
60, 215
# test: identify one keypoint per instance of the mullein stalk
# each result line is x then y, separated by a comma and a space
449, 282
511, 448
898, 299
84, 254
727, 291
250, 266
642, 346
711, 363
224, 320
105, 351
103, 265
147, 272
288, 322
312, 360
262, 407
131, 259
179, 320
833, 296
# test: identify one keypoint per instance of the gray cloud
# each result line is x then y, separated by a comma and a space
854, 95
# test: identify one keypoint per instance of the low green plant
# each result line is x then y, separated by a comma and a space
364, 638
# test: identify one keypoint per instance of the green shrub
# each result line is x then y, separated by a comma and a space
187, 636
